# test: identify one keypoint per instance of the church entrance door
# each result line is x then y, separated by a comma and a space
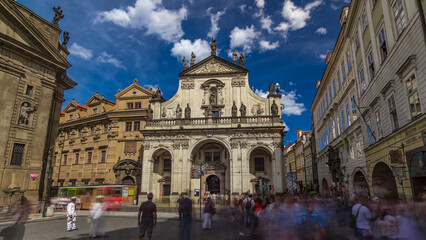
213, 184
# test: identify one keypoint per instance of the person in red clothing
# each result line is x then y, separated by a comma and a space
257, 213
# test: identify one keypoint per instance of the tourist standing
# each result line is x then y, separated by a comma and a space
146, 224
248, 205
71, 215
96, 213
209, 211
185, 208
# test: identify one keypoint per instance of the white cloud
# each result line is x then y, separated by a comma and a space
286, 127
266, 23
243, 8
214, 19
108, 58
265, 45
296, 17
151, 87
334, 6
81, 52
184, 47
150, 15
291, 83
260, 3
289, 100
321, 31
243, 38
323, 56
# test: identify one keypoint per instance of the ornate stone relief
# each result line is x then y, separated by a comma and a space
146, 146
187, 85
212, 67
236, 144
257, 109
238, 83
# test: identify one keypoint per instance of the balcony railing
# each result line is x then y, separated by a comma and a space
208, 121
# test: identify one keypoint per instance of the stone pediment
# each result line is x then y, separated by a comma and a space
134, 91
213, 65
18, 30
96, 100
73, 106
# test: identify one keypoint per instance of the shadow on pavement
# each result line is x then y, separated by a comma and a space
13, 232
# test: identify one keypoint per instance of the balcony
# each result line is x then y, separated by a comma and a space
217, 122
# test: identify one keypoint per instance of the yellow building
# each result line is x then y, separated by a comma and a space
299, 155
100, 142
33, 65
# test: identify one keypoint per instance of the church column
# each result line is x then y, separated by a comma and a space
277, 170
175, 176
245, 169
235, 172
147, 167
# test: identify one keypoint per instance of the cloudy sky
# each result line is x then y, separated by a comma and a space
112, 42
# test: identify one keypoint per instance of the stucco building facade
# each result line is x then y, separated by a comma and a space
33, 65
217, 122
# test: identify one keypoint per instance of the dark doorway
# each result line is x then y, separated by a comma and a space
166, 190
213, 184
128, 181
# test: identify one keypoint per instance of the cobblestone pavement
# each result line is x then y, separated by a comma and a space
123, 227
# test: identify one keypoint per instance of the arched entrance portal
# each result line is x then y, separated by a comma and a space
163, 168
213, 184
384, 185
360, 185
213, 157
128, 181
261, 168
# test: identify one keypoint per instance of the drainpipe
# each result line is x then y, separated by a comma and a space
422, 18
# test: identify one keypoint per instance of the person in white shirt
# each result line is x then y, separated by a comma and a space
71, 215
96, 212
364, 219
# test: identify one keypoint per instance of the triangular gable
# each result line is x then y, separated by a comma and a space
128, 91
96, 100
26, 35
213, 65
72, 106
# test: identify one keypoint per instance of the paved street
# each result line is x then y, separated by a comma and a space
118, 227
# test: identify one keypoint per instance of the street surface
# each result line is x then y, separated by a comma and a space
119, 227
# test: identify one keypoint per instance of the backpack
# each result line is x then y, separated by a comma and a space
353, 221
248, 203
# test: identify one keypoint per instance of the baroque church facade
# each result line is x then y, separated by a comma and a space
215, 136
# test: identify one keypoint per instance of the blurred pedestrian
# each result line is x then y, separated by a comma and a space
147, 223
248, 205
71, 215
364, 218
96, 213
185, 206
209, 211
182, 196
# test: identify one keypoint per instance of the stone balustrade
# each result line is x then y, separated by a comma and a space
215, 121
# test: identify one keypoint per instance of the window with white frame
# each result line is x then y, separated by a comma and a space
371, 64
348, 60
382, 44
379, 124
413, 96
393, 113
348, 115
337, 126
331, 94
343, 121
370, 133
326, 98
364, 20
342, 65
362, 80
353, 107
399, 16
333, 130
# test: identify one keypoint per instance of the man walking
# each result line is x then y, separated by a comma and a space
148, 221
71, 215
363, 218
185, 208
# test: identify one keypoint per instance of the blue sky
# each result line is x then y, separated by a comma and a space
112, 42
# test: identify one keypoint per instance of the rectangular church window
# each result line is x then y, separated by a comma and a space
209, 156
167, 165
259, 164
216, 156
17, 154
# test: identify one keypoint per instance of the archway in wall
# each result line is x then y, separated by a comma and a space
213, 156
383, 181
128, 181
360, 185
260, 160
163, 161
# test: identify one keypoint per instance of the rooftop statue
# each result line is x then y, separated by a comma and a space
58, 15
234, 57
192, 59
241, 60
185, 64
213, 46
66, 38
